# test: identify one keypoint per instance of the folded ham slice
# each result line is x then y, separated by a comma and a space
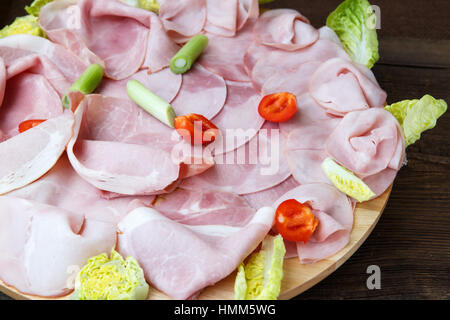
335, 214
305, 151
199, 207
28, 156
255, 166
180, 259
341, 86
285, 29
225, 18
183, 19
41, 247
110, 33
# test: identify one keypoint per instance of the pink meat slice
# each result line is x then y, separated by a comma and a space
183, 19
228, 63
340, 86
110, 33
335, 214
42, 245
309, 112
239, 114
163, 83
367, 142
267, 198
191, 257
62, 187
199, 207
201, 92
255, 166
118, 147
281, 71
285, 29
305, 151
225, 18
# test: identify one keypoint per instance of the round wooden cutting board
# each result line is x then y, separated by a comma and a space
297, 277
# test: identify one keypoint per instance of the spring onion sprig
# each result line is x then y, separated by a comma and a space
187, 55
151, 103
86, 83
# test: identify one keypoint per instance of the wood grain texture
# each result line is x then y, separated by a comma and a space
411, 242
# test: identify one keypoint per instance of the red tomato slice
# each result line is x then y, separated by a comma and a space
196, 129
295, 221
26, 125
278, 107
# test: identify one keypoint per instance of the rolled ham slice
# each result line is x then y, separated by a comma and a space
285, 29
42, 247
190, 257
367, 142
255, 166
341, 86
335, 214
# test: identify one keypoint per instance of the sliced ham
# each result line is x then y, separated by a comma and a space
183, 19
228, 63
163, 83
305, 151
335, 214
309, 112
197, 207
113, 34
341, 86
281, 71
62, 187
285, 29
255, 166
201, 92
191, 257
367, 142
41, 246
267, 198
118, 147
225, 18
28, 156
239, 114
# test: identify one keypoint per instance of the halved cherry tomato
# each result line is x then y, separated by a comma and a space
278, 107
295, 221
26, 125
196, 129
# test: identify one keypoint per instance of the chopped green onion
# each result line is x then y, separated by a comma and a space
187, 55
151, 103
86, 83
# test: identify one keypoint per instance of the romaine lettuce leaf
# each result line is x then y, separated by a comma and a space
23, 25
260, 278
35, 8
416, 116
353, 22
113, 278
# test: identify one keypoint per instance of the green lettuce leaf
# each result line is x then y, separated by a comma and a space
23, 25
265, 1
354, 23
260, 278
416, 116
35, 8
113, 278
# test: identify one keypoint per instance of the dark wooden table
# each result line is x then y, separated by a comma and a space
411, 243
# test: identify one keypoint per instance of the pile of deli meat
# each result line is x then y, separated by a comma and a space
103, 175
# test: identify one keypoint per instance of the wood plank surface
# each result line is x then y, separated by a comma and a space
411, 242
